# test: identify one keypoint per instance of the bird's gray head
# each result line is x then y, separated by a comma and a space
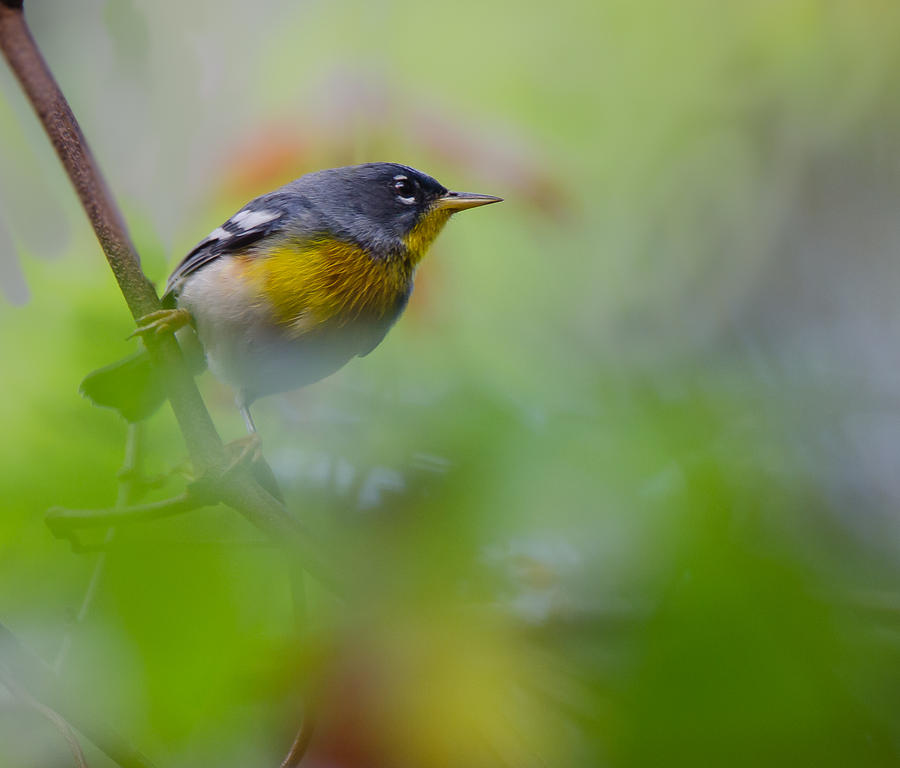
379, 206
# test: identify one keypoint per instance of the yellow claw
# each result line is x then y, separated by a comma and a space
245, 449
163, 321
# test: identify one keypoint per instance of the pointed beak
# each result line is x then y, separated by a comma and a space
459, 201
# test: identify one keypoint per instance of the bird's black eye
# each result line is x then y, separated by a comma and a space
405, 189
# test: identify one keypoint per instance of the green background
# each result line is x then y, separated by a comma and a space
620, 489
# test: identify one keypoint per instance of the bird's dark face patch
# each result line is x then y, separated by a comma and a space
375, 205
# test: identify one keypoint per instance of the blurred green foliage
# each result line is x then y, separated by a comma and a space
620, 488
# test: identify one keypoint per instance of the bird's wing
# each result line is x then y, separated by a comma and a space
254, 221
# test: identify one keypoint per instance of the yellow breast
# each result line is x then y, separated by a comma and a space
328, 281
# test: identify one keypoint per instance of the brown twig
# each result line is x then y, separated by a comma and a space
236, 488
301, 742
53, 110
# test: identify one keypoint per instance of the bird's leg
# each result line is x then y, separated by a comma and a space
248, 419
247, 448
162, 321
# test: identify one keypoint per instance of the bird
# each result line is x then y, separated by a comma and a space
294, 285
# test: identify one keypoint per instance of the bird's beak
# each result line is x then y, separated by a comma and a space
459, 201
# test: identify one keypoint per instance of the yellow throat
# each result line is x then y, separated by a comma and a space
328, 280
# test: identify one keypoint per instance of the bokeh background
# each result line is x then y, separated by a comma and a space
620, 489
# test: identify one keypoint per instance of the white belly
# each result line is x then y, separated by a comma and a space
244, 345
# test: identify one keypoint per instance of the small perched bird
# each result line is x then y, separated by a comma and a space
295, 284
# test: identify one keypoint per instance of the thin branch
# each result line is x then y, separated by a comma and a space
301, 742
54, 717
65, 134
237, 488
128, 490
63, 522
30, 673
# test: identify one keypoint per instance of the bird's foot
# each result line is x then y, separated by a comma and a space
244, 450
247, 451
162, 321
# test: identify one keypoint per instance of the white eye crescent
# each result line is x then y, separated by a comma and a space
405, 189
